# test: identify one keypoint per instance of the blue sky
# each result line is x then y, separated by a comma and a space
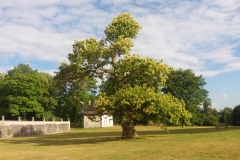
202, 35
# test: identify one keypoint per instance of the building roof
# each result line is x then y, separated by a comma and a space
89, 111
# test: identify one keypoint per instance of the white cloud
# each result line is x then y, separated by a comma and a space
208, 73
4, 69
223, 54
224, 96
195, 35
51, 72
235, 66
214, 105
232, 67
31, 44
193, 38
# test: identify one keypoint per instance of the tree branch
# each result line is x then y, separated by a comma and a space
79, 101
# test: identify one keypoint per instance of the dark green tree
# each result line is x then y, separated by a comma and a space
199, 116
226, 115
73, 91
236, 115
207, 104
211, 117
206, 115
186, 86
25, 93
48, 100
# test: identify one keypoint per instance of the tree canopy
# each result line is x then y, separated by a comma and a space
186, 86
226, 115
25, 92
236, 115
131, 85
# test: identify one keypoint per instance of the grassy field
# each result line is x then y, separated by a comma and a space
105, 143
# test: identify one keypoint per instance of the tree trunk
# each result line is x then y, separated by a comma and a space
128, 129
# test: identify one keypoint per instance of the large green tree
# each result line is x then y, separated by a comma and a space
131, 85
134, 103
186, 86
25, 92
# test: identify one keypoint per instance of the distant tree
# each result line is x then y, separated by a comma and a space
199, 116
236, 115
73, 91
20, 70
211, 117
186, 86
207, 103
48, 100
210, 114
2, 107
226, 115
25, 93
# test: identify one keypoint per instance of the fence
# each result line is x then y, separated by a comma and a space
28, 128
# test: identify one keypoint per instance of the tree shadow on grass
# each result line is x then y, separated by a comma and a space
197, 130
76, 137
59, 139
185, 130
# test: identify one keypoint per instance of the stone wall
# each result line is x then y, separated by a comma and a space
28, 128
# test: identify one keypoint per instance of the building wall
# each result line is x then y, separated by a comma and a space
88, 123
28, 128
105, 121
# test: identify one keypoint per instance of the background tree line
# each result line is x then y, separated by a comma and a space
26, 93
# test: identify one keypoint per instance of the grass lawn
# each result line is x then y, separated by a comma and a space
105, 143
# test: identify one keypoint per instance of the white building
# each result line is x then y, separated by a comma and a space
96, 121
92, 120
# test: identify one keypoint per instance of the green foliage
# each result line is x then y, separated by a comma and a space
185, 85
211, 117
136, 102
122, 25
226, 115
206, 115
131, 85
207, 104
210, 114
135, 70
68, 107
2, 76
236, 115
74, 89
26, 93
199, 117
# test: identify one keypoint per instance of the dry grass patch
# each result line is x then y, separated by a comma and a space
105, 143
